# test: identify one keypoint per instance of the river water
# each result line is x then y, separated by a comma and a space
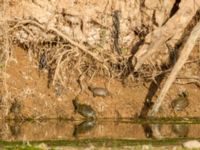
108, 132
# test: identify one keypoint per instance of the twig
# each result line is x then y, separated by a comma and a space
58, 66
189, 77
193, 61
83, 48
59, 33
181, 60
197, 83
191, 80
6, 47
96, 21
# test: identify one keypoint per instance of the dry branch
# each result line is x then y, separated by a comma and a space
59, 33
181, 61
172, 29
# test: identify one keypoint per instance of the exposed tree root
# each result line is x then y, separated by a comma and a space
171, 30
59, 33
83, 48
188, 47
189, 80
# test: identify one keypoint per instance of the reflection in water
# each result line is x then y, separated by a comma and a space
181, 130
54, 129
84, 127
156, 128
147, 130
152, 131
15, 129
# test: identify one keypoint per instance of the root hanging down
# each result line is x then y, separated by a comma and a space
59, 33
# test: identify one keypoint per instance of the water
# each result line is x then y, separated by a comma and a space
100, 132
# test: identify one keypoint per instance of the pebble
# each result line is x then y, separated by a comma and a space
191, 144
43, 146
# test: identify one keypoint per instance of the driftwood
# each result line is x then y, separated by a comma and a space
171, 30
187, 49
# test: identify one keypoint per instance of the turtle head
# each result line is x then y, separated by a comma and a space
75, 103
148, 103
184, 94
90, 87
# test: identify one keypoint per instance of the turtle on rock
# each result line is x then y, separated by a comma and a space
181, 102
83, 109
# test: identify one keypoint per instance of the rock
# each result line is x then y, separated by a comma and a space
43, 146
191, 144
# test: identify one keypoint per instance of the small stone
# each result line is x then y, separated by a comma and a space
43, 146
191, 144
59, 99
145, 147
174, 148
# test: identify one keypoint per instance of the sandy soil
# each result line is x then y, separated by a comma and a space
28, 86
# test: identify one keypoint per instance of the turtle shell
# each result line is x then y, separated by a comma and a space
99, 91
180, 103
84, 109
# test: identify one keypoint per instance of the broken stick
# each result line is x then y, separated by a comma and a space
187, 49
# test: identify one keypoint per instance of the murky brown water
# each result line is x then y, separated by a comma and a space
66, 130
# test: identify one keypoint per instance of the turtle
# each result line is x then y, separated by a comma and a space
181, 102
99, 91
84, 127
42, 61
83, 109
181, 130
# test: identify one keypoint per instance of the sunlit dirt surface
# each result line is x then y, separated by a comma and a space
28, 85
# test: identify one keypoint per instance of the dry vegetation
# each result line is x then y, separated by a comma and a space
130, 41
